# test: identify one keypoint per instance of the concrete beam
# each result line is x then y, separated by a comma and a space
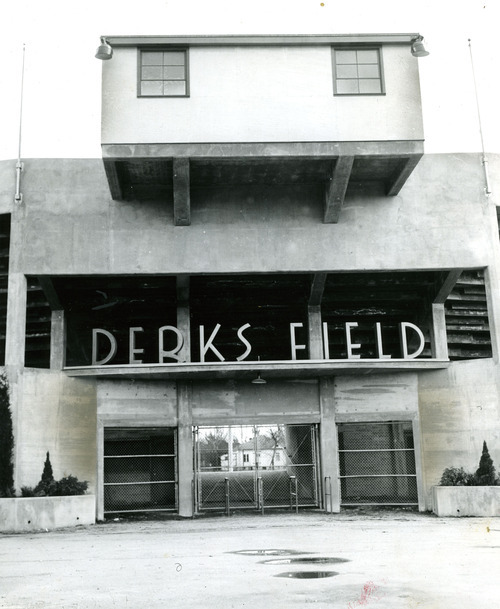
317, 289
263, 40
181, 185
115, 186
248, 370
447, 286
393, 187
50, 293
313, 150
336, 189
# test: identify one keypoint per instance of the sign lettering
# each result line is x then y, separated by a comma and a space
105, 345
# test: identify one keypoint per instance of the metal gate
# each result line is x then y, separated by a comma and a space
140, 469
377, 464
256, 467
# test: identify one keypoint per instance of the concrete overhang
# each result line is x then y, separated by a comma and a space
260, 40
300, 369
169, 170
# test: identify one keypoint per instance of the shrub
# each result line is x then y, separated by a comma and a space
27, 491
69, 486
485, 473
456, 476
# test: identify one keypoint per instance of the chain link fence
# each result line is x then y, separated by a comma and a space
140, 470
377, 464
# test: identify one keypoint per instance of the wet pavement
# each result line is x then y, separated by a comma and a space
358, 558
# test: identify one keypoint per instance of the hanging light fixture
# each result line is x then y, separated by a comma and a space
259, 380
417, 47
104, 50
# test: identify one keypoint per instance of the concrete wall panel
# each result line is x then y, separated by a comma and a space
131, 400
431, 224
459, 409
56, 414
376, 396
216, 403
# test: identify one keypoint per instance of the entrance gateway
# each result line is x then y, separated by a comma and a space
259, 467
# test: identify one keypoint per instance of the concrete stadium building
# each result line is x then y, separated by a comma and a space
263, 251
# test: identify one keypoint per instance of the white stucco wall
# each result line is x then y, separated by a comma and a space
261, 94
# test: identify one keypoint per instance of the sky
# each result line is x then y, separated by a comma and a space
62, 78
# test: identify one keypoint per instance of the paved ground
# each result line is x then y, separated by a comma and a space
391, 560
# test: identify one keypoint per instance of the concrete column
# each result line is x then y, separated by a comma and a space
14, 355
183, 317
492, 285
492, 277
315, 337
16, 320
439, 338
329, 442
58, 341
100, 471
419, 464
185, 463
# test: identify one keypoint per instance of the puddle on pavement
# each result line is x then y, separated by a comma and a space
307, 574
270, 552
305, 560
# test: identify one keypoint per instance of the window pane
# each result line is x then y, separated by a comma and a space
345, 57
173, 58
152, 73
173, 72
370, 85
152, 59
368, 71
152, 87
368, 56
173, 87
347, 86
347, 71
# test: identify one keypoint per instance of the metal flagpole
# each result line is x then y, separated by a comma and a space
484, 160
18, 197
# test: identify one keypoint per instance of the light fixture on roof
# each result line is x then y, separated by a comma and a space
259, 380
417, 47
104, 50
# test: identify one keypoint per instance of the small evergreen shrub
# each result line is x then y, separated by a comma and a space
44, 487
47, 474
485, 474
456, 476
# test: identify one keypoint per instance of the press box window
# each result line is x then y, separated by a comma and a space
163, 74
357, 72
